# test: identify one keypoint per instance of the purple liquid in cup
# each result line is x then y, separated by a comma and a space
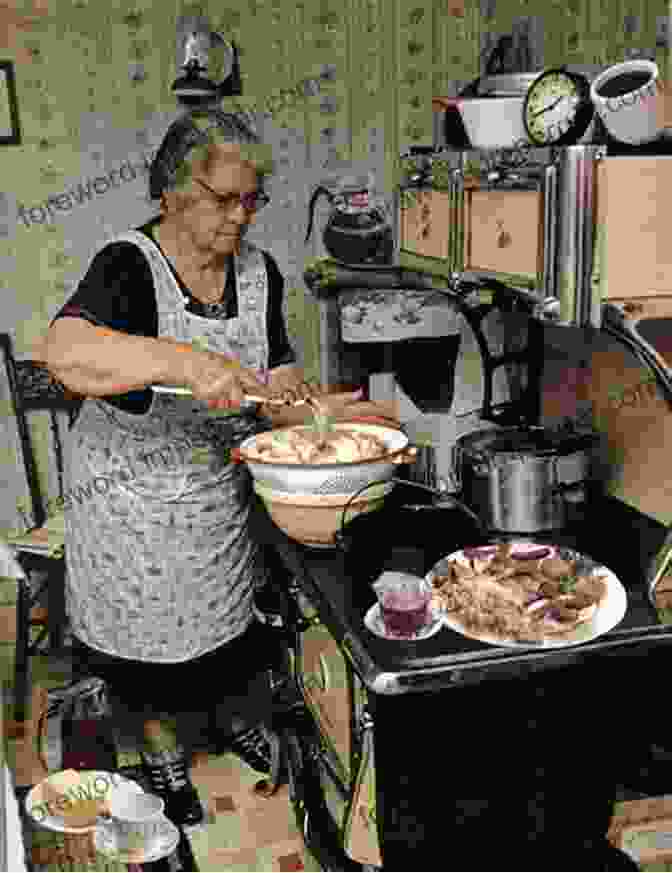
404, 613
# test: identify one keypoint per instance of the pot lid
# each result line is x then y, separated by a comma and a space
537, 441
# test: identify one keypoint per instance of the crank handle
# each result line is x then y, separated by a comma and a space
572, 492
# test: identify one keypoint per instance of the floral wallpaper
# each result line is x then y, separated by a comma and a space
93, 86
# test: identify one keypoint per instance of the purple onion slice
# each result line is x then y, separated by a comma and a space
530, 553
479, 551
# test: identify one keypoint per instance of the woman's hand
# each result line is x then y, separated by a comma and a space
298, 391
343, 407
287, 382
221, 382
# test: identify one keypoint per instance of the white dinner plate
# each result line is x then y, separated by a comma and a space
609, 614
95, 778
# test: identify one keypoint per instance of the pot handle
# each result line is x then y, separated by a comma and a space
573, 492
319, 191
570, 492
456, 463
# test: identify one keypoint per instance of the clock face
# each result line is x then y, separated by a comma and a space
554, 108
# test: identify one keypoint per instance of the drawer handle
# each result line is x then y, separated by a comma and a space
324, 674
426, 231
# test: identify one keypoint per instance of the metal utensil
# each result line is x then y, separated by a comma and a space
248, 398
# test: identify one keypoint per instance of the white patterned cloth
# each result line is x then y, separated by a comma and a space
9, 566
160, 563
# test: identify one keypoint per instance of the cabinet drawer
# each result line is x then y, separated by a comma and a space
412, 219
503, 231
424, 224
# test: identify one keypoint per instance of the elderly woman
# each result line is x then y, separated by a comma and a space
161, 564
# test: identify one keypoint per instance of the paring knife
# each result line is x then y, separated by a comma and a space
248, 398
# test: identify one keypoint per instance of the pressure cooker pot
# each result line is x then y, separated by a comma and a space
519, 480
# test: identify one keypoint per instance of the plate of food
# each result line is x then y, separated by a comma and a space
525, 594
71, 801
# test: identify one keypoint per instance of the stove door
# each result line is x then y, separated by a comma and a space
323, 676
337, 700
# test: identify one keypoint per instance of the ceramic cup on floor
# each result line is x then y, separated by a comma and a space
625, 98
136, 819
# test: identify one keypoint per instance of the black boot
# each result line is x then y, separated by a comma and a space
168, 777
254, 748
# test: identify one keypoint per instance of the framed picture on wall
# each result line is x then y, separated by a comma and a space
10, 132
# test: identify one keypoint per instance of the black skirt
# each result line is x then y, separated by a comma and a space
189, 686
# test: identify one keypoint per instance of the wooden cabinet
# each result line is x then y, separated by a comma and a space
424, 224
634, 197
502, 231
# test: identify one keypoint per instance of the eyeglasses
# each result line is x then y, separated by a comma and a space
253, 201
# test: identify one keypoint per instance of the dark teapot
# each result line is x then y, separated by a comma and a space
358, 230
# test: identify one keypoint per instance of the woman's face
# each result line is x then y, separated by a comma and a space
213, 217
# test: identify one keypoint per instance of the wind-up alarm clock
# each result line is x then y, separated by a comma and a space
558, 109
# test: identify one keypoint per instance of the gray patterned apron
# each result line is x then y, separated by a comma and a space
160, 563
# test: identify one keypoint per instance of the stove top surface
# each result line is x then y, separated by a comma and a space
413, 540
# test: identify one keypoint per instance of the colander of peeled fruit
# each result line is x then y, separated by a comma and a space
307, 474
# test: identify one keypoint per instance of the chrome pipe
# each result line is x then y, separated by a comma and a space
577, 202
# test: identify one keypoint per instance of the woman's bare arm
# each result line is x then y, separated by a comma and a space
96, 361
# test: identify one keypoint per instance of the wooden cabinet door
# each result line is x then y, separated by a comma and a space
433, 236
424, 224
634, 203
504, 232
635, 422
411, 221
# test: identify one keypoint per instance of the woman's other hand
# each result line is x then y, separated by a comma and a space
349, 405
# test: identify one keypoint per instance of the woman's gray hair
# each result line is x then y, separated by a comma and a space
192, 138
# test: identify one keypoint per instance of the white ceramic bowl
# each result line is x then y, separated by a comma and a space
494, 123
630, 118
329, 479
315, 520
